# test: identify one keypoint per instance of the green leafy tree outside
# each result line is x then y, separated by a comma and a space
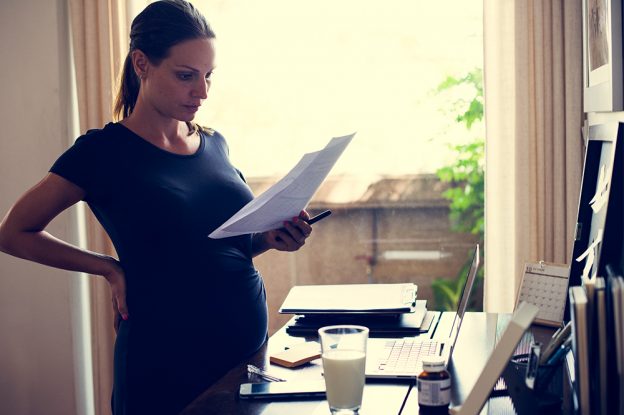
466, 178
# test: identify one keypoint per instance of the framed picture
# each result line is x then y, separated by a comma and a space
602, 56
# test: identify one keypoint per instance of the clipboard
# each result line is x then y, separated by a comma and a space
351, 299
545, 285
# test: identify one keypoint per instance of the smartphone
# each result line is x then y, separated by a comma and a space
283, 390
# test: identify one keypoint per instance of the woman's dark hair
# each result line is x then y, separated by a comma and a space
154, 31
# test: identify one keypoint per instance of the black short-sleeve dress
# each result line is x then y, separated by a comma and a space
197, 306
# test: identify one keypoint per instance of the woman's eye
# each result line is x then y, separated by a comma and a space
185, 76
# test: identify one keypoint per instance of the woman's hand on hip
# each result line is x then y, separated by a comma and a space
117, 281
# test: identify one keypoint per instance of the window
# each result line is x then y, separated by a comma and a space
290, 75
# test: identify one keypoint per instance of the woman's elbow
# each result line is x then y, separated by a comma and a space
5, 238
3, 241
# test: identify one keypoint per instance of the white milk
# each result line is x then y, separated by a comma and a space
344, 377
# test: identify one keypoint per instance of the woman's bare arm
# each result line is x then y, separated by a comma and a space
22, 235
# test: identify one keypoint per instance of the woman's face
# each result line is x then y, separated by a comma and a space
177, 87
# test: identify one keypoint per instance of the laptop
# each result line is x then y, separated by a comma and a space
402, 358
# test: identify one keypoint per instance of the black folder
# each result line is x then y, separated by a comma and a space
380, 325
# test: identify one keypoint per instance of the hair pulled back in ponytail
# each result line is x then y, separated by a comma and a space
154, 31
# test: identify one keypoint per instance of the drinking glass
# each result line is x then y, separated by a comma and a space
344, 359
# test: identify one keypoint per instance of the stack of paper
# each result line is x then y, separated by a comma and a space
386, 309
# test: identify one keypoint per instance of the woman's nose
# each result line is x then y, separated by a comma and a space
201, 89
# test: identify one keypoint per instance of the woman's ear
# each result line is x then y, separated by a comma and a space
140, 63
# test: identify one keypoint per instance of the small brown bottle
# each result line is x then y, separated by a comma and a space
434, 386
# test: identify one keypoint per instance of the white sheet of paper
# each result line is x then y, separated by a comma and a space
590, 254
286, 198
601, 196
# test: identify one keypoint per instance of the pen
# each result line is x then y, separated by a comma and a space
318, 217
557, 340
558, 355
263, 374
556, 333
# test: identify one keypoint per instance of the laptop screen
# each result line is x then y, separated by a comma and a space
463, 300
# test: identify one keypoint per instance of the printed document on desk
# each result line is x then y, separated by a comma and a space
350, 298
286, 198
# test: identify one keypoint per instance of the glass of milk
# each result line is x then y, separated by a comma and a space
344, 359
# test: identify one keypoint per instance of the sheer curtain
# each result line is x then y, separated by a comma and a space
533, 108
99, 32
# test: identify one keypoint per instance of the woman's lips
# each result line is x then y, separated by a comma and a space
192, 108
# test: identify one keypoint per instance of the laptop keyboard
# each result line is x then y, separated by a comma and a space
405, 355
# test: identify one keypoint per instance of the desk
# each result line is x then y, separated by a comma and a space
474, 345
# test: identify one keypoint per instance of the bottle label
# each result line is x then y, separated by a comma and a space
434, 392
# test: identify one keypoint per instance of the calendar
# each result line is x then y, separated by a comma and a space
546, 286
